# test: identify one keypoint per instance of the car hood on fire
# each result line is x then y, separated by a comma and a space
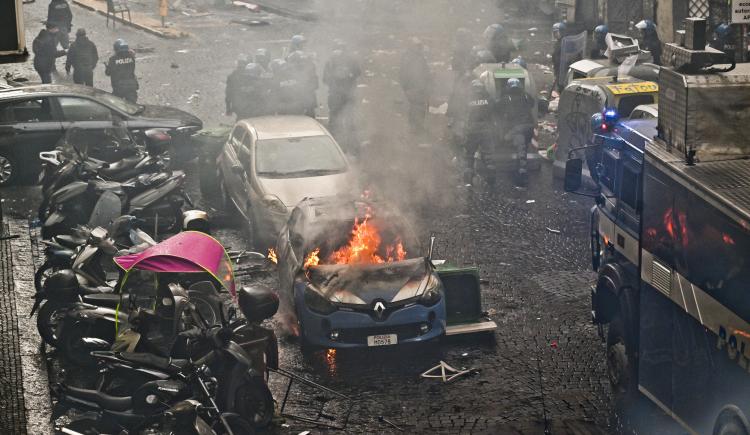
293, 190
360, 284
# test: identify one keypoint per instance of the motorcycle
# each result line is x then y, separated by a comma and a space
164, 268
68, 163
239, 387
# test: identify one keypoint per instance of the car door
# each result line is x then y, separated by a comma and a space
290, 249
89, 115
230, 166
27, 127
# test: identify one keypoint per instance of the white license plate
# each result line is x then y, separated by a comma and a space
382, 340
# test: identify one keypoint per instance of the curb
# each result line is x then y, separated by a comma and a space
34, 367
169, 33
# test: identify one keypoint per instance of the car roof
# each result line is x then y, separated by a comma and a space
276, 127
39, 90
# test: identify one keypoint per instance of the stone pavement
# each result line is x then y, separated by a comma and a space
24, 394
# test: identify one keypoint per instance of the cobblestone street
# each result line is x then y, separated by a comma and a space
543, 371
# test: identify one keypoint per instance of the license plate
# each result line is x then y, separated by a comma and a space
382, 340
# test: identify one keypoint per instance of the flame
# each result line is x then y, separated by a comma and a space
272, 256
312, 258
363, 247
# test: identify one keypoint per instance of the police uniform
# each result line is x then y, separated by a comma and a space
518, 119
479, 131
121, 69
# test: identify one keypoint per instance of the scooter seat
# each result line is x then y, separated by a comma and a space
155, 361
103, 400
70, 241
108, 300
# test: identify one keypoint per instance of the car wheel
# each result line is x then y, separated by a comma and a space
8, 170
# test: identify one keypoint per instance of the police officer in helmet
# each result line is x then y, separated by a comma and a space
121, 70
479, 131
650, 39
558, 31
234, 83
599, 47
340, 74
724, 39
518, 121
253, 95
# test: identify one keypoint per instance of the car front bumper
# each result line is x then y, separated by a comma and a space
353, 327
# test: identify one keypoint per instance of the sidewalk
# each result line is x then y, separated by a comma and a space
24, 391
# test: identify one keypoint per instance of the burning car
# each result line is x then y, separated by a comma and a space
351, 276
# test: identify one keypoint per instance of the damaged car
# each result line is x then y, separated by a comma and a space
352, 275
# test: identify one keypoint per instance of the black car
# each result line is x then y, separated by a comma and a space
33, 119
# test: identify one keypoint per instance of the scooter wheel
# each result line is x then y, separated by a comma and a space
47, 322
254, 401
41, 274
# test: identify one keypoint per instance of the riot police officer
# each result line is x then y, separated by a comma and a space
479, 131
724, 39
253, 95
650, 39
498, 43
558, 31
518, 119
121, 70
599, 47
297, 43
340, 74
302, 68
234, 83
262, 58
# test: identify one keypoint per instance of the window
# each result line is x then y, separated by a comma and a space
34, 110
82, 109
237, 135
298, 157
629, 186
627, 104
607, 170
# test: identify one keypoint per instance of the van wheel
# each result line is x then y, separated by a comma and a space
731, 422
621, 357
8, 170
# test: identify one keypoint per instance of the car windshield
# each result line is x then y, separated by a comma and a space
298, 157
119, 103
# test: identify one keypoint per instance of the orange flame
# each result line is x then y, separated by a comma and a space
272, 257
312, 258
363, 247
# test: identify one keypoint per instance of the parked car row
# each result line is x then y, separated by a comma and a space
34, 118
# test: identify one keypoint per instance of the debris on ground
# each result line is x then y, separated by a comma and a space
389, 423
447, 373
252, 7
251, 23
530, 201
553, 231
439, 110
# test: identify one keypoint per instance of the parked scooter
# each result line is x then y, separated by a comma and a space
239, 387
71, 160
157, 267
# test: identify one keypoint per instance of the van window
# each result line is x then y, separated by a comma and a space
629, 186
630, 102
608, 170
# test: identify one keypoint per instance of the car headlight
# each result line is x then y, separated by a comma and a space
274, 204
431, 294
317, 303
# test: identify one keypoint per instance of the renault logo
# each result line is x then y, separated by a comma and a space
379, 308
